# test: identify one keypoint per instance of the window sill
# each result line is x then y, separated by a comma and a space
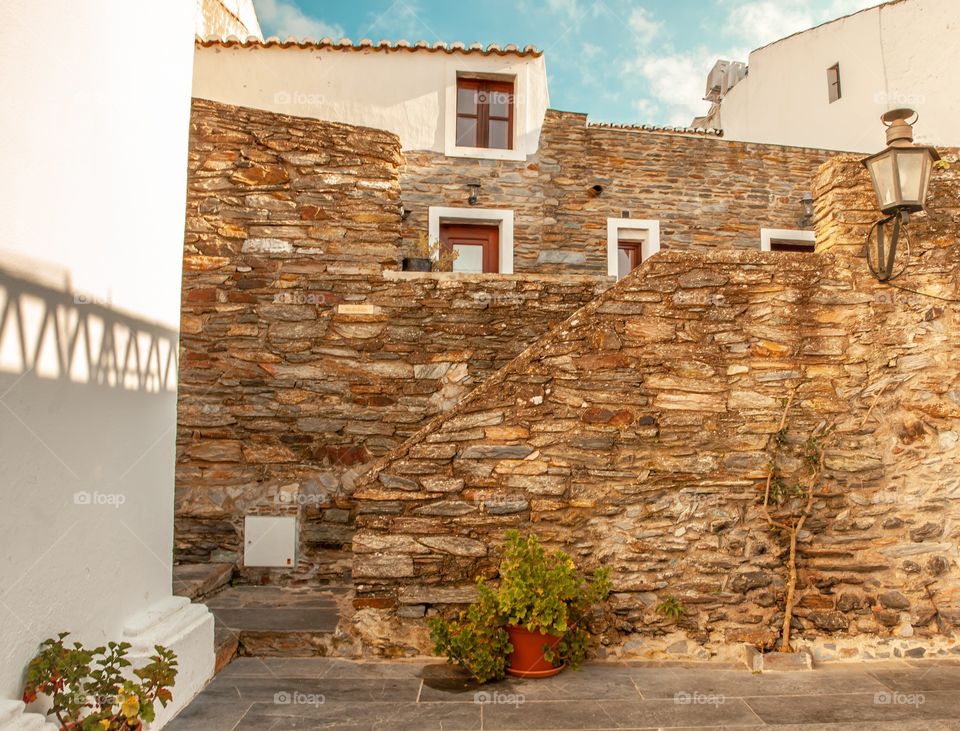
485, 153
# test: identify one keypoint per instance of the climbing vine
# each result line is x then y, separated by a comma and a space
788, 499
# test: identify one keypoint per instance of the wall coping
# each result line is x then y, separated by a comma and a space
517, 277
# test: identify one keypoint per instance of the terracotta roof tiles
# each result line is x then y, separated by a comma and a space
364, 44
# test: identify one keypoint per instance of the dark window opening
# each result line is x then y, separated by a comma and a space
792, 245
485, 114
833, 82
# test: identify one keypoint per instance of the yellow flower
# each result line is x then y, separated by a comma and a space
130, 707
105, 723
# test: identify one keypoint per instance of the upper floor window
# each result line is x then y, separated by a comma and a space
833, 82
485, 113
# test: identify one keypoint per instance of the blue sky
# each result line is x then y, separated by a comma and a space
617, 60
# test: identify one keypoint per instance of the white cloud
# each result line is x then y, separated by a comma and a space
756, 23
403, 20
283, 18
570, 8
643, 26
676, 82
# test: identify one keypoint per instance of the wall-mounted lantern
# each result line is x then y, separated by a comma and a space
901, 177
474, 187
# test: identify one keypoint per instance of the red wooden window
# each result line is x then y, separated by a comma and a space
485, 113
478, 246
629, 256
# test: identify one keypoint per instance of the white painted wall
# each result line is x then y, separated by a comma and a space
902, 54
93, 146
411, 94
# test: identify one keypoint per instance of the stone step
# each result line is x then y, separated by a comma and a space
280, 621
196, 580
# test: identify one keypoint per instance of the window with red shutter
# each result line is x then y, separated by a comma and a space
485, 113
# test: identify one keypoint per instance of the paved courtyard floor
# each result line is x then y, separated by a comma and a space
301, 694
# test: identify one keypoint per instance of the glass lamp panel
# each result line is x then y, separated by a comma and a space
470, 258
910, 172
884, 181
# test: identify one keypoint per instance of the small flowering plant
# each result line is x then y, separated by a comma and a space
90, 689
541, 591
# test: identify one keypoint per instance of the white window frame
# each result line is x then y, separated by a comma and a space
785, 234
647, 249
501, 216
521, 112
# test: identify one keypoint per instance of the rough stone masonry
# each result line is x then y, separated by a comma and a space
305, 355
637, 434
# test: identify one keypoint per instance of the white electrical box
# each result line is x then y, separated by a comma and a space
270, 541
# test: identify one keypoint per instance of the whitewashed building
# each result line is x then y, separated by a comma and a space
90, 267
826, 87
413, 90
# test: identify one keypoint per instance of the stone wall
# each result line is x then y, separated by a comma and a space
706, 192
638, 435
304, 356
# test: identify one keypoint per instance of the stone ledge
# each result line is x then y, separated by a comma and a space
516, 277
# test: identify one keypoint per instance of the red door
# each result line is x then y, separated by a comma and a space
478, 246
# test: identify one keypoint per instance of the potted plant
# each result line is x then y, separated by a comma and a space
533, 625
426, 256
91, 689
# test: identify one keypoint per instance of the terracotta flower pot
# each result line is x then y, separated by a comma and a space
526, 660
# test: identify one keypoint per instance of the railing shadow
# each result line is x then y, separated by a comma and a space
52, 333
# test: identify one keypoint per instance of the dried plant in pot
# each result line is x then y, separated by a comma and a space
426, 256
93, 689
534, 624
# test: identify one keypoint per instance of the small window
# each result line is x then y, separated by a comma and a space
629, 250
629, 242
477, 246
485, 113
792, 245
786, 239
833, 82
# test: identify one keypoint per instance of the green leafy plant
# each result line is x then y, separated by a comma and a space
89, 689
442, 258
476, 639
672, 608
541, 591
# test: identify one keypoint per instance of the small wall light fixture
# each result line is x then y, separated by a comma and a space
901, 177
806, 208
474, 187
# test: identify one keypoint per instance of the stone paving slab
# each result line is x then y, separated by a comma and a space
300, 694
670, 683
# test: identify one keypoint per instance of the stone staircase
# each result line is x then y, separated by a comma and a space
263, 619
